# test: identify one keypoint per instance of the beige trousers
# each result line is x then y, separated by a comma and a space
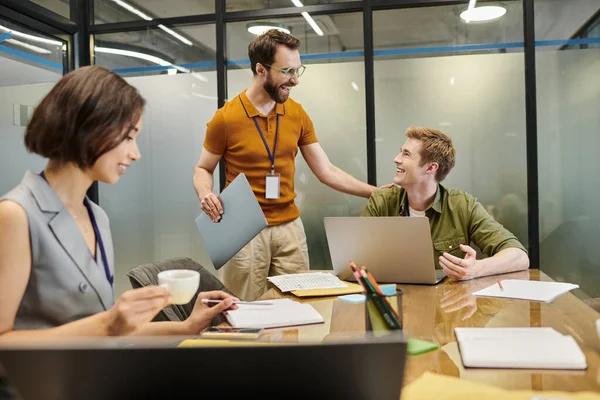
276, 250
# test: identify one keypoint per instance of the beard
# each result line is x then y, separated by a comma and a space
273, 91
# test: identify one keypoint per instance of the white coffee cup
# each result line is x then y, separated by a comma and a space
182, 284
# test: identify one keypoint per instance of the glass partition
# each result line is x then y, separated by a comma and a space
153, 207
568, 99
434, 69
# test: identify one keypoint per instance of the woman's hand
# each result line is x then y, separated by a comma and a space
135, 308
204, 313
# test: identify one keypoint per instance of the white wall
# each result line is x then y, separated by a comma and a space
15, 159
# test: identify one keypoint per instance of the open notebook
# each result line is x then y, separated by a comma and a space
283, 312
531, 348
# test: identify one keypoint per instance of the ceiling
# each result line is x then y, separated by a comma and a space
393, 29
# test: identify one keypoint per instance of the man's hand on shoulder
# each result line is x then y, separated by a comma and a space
386, 186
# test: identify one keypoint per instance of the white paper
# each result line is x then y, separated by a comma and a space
283, 312
504, 333
315, 280
531, 348
272, 187
527, 290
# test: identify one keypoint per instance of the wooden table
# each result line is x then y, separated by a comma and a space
432, 312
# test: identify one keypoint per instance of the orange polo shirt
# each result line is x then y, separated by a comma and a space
232, 134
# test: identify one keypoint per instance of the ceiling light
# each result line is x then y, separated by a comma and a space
175, 35
141, 56
258, 28
308, 18
139, 13
31, 37
483, 13
29, 46
133, 10
312, 23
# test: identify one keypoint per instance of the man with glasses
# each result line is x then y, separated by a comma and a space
258, 133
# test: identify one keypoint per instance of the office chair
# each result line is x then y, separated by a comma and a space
147, 274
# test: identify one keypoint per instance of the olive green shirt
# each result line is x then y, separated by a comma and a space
455, 218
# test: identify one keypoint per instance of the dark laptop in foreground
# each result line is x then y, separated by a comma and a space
100, 369
394, 249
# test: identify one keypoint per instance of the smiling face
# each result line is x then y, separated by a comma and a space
409, 170
112, 165
276, 83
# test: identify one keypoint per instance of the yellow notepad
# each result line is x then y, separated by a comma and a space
350, 289
428, 385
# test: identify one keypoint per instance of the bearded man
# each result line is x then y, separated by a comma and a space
258, 133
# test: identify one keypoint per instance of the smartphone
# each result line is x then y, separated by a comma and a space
226, 332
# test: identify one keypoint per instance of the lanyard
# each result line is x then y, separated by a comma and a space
271, 155
88, 206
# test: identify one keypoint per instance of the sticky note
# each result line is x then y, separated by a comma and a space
418, 346
388, 290
353, 298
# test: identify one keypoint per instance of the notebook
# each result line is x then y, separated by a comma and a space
241, 221
283, 312
527, 290
530, 348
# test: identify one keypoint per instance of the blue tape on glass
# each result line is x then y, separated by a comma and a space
5, 36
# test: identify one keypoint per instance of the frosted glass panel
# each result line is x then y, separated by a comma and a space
153, 207
568, 101
333, 96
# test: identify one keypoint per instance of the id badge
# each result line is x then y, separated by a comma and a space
272, 186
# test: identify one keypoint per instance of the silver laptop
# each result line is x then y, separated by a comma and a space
394, 249
241, 221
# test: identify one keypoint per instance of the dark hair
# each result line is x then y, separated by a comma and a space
263, 48
436, 147
86, 114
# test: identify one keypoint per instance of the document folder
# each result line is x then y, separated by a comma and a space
241, 221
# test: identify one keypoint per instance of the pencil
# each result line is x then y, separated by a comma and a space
205, 301
366, 273
500, 284
357, 275
373, 281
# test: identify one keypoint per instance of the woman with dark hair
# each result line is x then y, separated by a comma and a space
56, 253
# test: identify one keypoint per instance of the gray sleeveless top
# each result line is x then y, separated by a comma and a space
66, 282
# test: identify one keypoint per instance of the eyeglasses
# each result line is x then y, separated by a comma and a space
289, 72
